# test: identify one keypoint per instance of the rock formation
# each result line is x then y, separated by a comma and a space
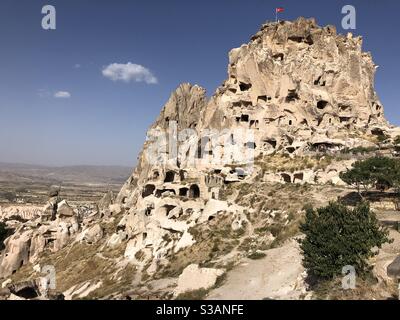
299, 89
31, 238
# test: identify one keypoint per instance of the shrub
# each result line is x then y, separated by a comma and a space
337, 236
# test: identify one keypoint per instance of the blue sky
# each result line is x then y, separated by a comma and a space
104, 121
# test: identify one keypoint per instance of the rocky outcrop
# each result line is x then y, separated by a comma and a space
17, 252
31, 238
295, 89
194, 278
393, 269
21, 212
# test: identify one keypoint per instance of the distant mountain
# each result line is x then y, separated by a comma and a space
66, 174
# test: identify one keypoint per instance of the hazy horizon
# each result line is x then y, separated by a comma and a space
21, 164
86, 93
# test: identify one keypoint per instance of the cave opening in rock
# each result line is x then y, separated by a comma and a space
304, 122
182, 175
271, 142
148, 190
292, 96
254, 123
244, 86
322, 104
377, 132
169, 176
298, 176
278, 56
183, 192
147, 211
194, 191
318, 82
27, 293
296, 39
160, 192
291, 149
156, 175
308, 39
286, 177
262, 98
244, 118
168, 208
344, 107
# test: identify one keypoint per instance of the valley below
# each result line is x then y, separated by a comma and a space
29, 184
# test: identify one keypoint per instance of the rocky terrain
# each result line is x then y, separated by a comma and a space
213, 207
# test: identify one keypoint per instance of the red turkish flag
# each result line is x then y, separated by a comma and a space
279, 10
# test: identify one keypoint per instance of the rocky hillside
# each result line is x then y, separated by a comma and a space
220, 182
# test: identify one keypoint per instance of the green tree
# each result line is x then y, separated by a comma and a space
336, 236
379, 172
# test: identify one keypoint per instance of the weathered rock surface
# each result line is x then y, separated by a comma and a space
299, 88
22, 212
393, 270
32, 237
194, 278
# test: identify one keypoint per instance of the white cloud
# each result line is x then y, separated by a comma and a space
129, 72
62, 95
77, 66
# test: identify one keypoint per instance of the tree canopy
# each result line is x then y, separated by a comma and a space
379, 172
337, 236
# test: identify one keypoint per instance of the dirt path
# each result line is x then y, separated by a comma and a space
276, 276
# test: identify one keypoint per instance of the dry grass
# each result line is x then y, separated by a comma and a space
280, 163
81, 262
366, 289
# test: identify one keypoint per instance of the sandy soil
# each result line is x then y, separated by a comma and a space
279, 275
